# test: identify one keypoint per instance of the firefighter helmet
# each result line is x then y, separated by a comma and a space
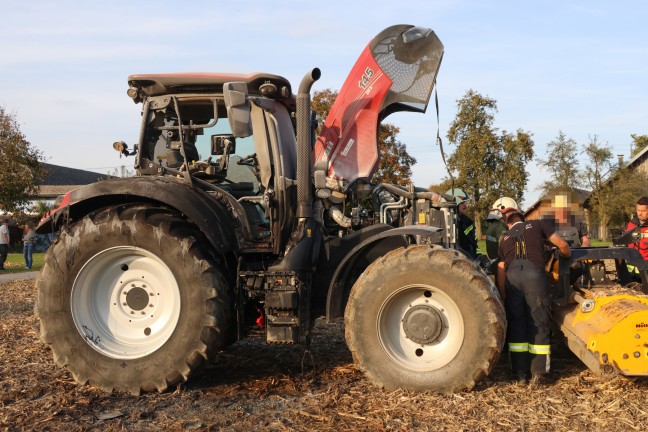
499, 205
459, 194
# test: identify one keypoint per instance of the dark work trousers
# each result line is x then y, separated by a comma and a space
4, 250
528, 308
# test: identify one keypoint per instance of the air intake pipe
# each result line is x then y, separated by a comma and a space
304, 130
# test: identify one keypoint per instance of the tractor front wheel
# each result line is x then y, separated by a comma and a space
425, 318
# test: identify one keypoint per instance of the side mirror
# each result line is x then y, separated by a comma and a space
238, 108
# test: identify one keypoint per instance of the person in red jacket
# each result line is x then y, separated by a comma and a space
641, 221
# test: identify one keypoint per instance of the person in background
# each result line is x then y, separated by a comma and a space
4, 242
496, 228
641, 220
524, 288
565, 216
29, 242
466, 236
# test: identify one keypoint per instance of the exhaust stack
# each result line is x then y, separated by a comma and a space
304, 207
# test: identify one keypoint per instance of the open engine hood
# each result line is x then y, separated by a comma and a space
396, 72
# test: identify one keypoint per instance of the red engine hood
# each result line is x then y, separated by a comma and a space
395, 72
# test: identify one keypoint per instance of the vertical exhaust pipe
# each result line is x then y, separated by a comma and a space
304, 130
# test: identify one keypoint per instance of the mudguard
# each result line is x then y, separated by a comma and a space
395, 72
210, 215
390, 239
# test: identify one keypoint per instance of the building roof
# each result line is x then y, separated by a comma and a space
639, 157
60, 180
63, 176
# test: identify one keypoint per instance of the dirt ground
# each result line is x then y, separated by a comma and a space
255, 387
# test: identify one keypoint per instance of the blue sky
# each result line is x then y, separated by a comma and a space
580, 67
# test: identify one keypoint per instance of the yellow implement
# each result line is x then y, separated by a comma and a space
607, 328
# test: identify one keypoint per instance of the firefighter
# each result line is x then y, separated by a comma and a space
466, 236
523, 285
496, 228
641, 221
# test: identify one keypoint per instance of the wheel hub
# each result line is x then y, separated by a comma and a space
125, 302
422, 324
137, 298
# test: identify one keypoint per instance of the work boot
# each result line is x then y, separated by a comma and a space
521, 377
539, 380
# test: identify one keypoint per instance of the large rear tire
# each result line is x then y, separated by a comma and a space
130, 299
425, 318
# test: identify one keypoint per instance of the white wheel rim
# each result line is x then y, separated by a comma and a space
125, 302
414, 355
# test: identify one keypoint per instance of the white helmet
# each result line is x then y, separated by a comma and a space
459, 194
499, 205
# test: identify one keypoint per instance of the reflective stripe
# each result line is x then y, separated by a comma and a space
470, 228
632, 269
540, 349
518, 347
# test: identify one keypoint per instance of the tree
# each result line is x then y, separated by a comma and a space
599, 166
562, 163
122, 171
487, 165
21, 171
322, 102
618, 197
614, 188
395, 165
40, 209
639, 142
517, 152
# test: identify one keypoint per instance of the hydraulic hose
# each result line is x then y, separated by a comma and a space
432, 196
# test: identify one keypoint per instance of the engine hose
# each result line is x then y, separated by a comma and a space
432, 196
337, 215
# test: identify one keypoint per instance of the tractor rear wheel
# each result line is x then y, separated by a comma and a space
425, 318
130, 299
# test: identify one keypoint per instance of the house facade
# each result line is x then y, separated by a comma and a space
639, 164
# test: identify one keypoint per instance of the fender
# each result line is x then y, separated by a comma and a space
389, 240
217, 219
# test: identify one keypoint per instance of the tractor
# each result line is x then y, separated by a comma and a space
240, 215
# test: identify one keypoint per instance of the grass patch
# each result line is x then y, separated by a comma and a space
16, 262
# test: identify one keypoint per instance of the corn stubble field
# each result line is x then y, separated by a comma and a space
256, 387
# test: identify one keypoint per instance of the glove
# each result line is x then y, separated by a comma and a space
485, 263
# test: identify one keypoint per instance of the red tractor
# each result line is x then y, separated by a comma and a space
238, 207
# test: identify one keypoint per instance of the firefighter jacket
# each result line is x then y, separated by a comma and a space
467, 238
642, 244
494, 234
